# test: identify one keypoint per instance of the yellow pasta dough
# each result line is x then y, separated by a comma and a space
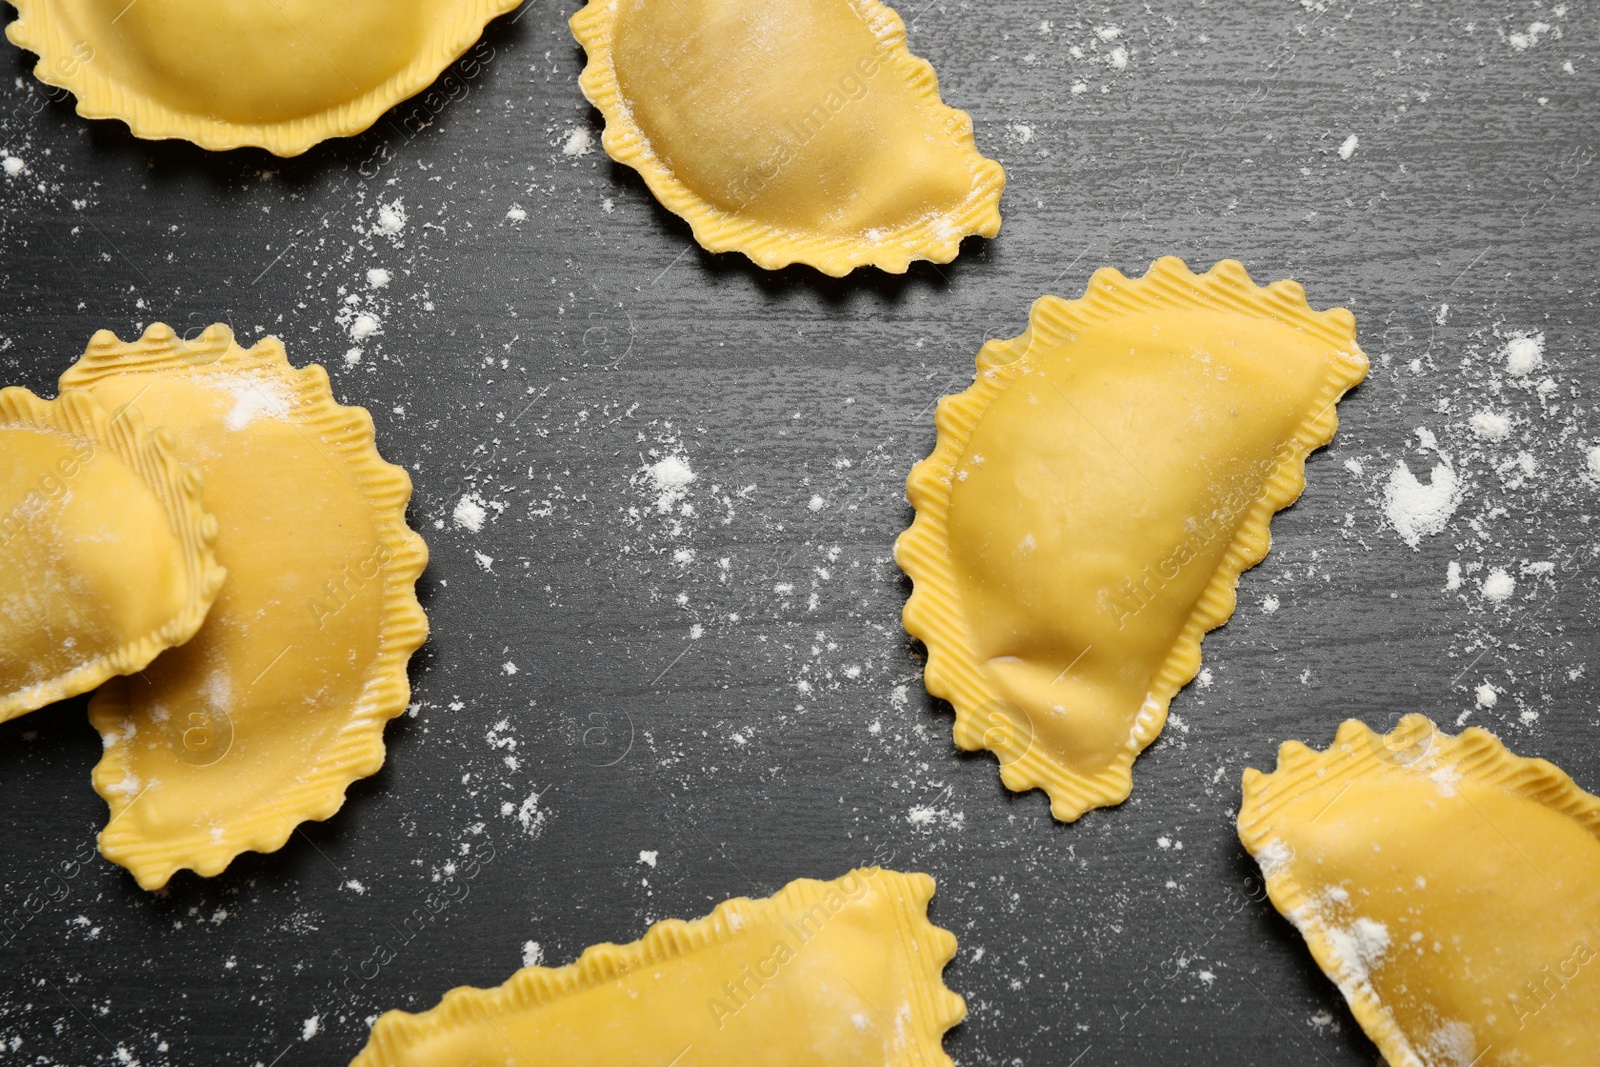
1091, 501
819, 975
280, 74
105, 553
800, 132
279, 702
1449, 888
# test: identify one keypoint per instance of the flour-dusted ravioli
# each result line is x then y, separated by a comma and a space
105, 552
795, 132
1091, 502
1449, 888
279, 74
819, 975
278, 703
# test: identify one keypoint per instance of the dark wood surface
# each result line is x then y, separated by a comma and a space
543, 363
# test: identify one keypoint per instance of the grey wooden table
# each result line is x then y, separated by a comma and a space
730, 692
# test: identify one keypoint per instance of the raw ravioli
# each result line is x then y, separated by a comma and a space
282, 75
105, 553
279, 702
822, 974
1449, 888
1091, 502
795, 132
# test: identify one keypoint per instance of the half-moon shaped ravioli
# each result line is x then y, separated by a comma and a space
279, 702
797, 132
822, 974
279, 74
1449, 888
1091, 501
105, 553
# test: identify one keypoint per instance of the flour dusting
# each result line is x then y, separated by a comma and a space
470, 513
1417, 510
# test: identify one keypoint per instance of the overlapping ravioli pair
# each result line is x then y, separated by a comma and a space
1449, 888
105, 552
277, 702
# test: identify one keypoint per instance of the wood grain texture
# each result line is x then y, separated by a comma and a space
545, 363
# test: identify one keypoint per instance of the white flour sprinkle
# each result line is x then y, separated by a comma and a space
1269, 604
1452, 576
311, 1028
1593, 459
1274, 855
1490, 426
13, 166
1524, 354
254, 398
1453, 1045
1521, 41
648, 857
1416, 510
925, 817
1445, 777
364, 325
671, 477
532, 954
531, 817
579, 142
377, 278
392, 219
1498, 587
1348, 148
469, 513
1360, 947
517, 213
1487, 696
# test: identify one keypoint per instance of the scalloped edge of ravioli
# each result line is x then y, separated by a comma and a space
101, 96
937, 240
347, 432
927, 949
148, 455
1358, 750
933, 614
